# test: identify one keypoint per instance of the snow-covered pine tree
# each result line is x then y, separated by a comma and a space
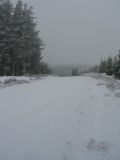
102, 66
20, 44
31, 43
115, 61
109, 66
45, 68
74, 71
5, 36
118, 66
17, 39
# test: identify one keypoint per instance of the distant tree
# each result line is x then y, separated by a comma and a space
95, 68
117, 66
115, 61
75, 72
102, 66
109, 66
45, 68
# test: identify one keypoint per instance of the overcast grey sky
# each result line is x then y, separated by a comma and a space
78, 31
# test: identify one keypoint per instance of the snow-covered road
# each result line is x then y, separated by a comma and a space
58, 118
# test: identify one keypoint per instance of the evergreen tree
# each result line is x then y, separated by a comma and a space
17, 29
45, 68
109, 66
102, 66
74, 72
20, 44
5, 35
95, 68
115, 61
31, 42
117, 66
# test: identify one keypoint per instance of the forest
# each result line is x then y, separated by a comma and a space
110, 66
20, 42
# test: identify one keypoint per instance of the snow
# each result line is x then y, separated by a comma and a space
4, 78
60, 118
6, 81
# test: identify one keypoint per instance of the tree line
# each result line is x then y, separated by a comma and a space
110, 66
20, 43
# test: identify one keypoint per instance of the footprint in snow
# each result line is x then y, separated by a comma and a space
93, 145
69, 144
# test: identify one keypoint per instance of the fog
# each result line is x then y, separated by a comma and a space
78, 31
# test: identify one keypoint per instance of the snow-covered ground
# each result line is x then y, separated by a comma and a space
6, 81
61, 118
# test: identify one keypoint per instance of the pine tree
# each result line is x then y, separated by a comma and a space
20, 44
115, 61
74, 72
45, 69
31, 42
109, 66
5, 35
102, 66
117, 72
17, 30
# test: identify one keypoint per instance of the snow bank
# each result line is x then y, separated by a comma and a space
5, 78
112, 84
13, 80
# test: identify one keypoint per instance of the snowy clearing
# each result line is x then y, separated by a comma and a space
60, 118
